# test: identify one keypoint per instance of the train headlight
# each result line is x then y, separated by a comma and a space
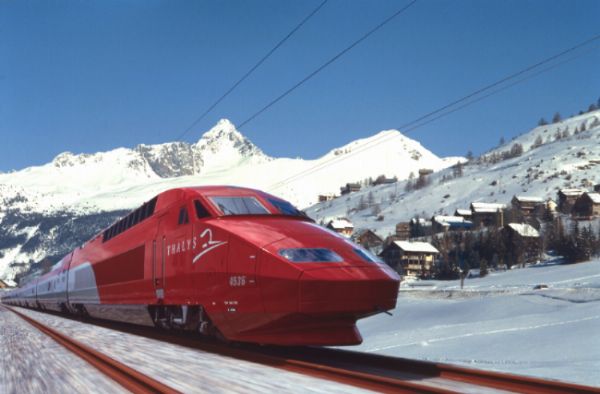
310, 255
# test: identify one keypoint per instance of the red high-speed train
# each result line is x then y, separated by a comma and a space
233, 262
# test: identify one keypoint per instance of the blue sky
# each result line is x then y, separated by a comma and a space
87, 76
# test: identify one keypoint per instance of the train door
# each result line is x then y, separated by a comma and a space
244, 303
159, 258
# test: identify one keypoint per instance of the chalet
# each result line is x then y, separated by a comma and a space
382, 180
465, 213
485, 214
441, 223
587, 206
326, 197
349, 188
419, 227
341, 226
414, 259
425, 171
369, 240
524, 240
4, 285
566, 199
528, 206
403, 231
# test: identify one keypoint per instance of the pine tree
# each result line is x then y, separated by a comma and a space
542, 122
370, 199
538, 142
556, 118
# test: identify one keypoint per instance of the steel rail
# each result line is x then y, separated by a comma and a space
129, 378
365, 370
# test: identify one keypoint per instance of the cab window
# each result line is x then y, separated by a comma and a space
239, 205
183, 216
201, 211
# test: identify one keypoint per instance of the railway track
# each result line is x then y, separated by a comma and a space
364, 370
127, 377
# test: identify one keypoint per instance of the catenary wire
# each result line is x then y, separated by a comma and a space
327, 63
384, 138
251, 70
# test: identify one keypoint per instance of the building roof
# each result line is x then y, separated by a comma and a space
448, 219
524, 230
418, 247
530, 199
571, 192
463, 212
365, 231
595, 197
486, 207
340, 223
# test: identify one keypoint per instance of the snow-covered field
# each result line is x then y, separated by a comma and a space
500, 322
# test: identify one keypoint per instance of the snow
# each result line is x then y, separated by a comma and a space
463, 212
572, 192
529, 199
595, 197
416, 247
572, 162
484, 207
500, 322
124, 178
340, 224
449, 219
524, 230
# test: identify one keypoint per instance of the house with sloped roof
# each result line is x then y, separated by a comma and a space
587, 206
528, 206
485, 214
567, 198
6, 284
524, 242
341, 226
368, 239
465, 213
412, 259
443, 223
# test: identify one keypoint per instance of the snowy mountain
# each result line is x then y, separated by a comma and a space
45, 210
568, 156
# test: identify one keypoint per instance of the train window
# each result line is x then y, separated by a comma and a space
137, 216
201, 211
239, 206
183, 216
284, 207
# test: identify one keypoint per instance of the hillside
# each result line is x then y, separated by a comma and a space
47, 210
571, 161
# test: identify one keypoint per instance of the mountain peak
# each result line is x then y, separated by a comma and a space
223, 128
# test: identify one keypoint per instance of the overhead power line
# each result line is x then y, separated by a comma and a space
327, 63
252, 69
422, 120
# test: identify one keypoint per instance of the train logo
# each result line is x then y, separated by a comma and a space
209, 245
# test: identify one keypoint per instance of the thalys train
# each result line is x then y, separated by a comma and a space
225, 261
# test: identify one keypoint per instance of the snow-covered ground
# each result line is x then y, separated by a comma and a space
572, 161
500, 322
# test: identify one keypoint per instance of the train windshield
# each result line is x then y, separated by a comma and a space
284, 207
239, 206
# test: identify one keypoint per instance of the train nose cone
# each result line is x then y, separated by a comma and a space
358, 291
